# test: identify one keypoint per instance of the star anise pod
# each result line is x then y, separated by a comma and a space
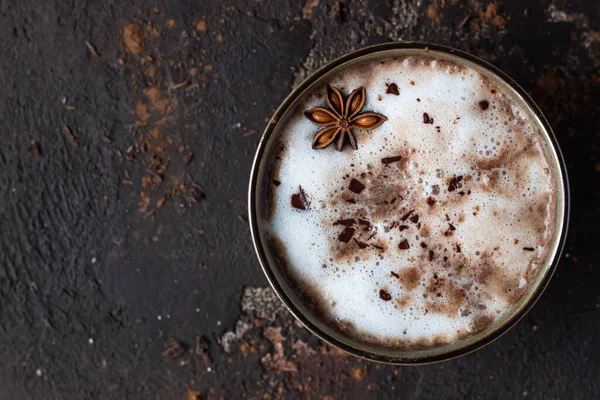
341, 117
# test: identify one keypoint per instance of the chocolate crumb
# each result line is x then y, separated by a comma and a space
403, 245
484, 104
34, 147
385, 296
173, 350
355, 186
299, 200
427, 119
392, 88
454, 182
389, 160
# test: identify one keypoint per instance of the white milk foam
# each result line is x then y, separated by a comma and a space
473, 250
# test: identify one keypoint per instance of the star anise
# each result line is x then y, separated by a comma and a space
341, 117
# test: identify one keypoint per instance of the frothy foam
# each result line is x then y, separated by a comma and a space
449, 222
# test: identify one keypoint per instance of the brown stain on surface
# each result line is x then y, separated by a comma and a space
410, 278
133, 38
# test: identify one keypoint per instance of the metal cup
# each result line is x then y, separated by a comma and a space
300, 307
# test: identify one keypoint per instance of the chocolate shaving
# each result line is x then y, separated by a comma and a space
346, 235
528, 249
385, 296
392, 88
299, 200
403, 227
345, 222
378, 247
405, 217
361, 245
276, 182
389, 160
364, 222
427, 119
71, 137
395, 275
403, 245
355, 186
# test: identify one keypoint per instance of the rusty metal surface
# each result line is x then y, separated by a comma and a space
128, 130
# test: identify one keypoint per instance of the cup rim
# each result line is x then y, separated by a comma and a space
259, 247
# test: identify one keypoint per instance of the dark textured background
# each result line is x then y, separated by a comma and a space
128, 129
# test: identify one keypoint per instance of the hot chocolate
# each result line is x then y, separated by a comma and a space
434, 219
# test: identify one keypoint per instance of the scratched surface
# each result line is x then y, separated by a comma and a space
128, 129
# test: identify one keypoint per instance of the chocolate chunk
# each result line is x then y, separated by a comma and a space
392, 88
389, 160
276, 182
361, 245
403, 227
427, 119
385, 296
346, 235
299, 200
424, 245
453, 184
405, 217
528, 249
395, 275
484, 104
356, 186
430, 201
345, 222
404, 245
414, 219
364, 222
